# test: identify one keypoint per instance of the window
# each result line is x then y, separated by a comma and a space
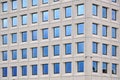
80, 28
56, 13
14, 37
55, 0
4, 23
24, 3
4, 55
68, 12
68, 67
24, 53
56, 32
24, 19
68, 48
45, 33
24, 70
45, 69
104, 31
44, 1
80, 9
56, 68
94, 47
104, 67
56, 50
14, 71
4, 6
34, 52
104, 12
80, 66
4, 72
95, 66
114, 14
45, 16
34, 2
95, 9
114, 68
94, 28
114, 1
104, 49
24, 36
14, 4
68, 30
114, 50
34, 69
80, 47
14, 54
34, 35
34, 17
4, 39
14, 21
114, 32
45, 51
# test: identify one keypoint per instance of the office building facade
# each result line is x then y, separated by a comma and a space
59, 40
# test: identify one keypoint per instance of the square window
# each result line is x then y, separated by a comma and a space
68, 48
56, 50
56, 14
56, 68
68, 12
34, 70
80, 9
34, 2
45, 33
45, 51
24, 70
24, 3
4, 71
80, 47
24, 53
45, 16
45, 69
14, 71
68, 67
45, 1
34, 17
56, 32
80, 66
80, 28
24, 19
95, 66
68, 30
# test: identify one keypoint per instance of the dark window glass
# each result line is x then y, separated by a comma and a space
56, 14
68, 67
56, 50
45, 51
45, 69
94, 47
104, 31
80, 47
56, 68
114, 14
24, 70
45, 33
34, 52
104, 67
24, 53
95, 66
34, 69
80, 28
114, 32
68, 48
114, 1
44, 1
104, 12
4, 72
56, 32
114, 68
104, 49
14, 54
14, 71
4, 55
4, 39
80, 66
24, 36
114, 50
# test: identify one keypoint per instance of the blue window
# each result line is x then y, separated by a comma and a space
104, 49
34, 52
56, 50
55, 0
114, 50
4, 23
114, 68
68, 67
45, 69
56, 68
34, 70
34, 35
4, 72
68, 12
44, 1
45, 33
80, 9
24, 53
14, 71
24, 19
34, 2
24, 3
24, 70
24, 36
80, 28
34, 17
95, 66
94, 9
80, 66
104, 67
68, 30
14, 37
114, 32
56, 14
4, 55
4, 6
4, 39
68, 48
114, 14
114, 1
80, 47
56, 32
14, 4
45, 51
94, 47
14, 21
104, 12
14, 54
94, 28
45, 16
104, 31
